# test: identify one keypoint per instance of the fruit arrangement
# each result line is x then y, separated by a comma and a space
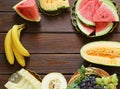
101, 52
92, 78
19, 80
13, 46
53, 7
94, 17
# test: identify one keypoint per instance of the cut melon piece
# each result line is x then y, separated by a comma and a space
103, 28
28, 10
102, 52
105, 13
53, 5
86, 12
88, 30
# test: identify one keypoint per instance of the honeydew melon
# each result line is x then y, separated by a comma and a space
102, 52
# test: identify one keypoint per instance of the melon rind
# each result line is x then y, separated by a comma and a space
101, 60
14, 7
85, 21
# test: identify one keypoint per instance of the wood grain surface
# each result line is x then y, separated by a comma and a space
53, 43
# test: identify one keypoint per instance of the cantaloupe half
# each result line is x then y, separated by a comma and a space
102, 52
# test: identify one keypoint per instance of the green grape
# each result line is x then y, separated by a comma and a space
105, 80
114, 78
111, 86
106, 87
98, 81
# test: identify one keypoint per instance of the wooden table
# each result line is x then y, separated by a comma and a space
53, 43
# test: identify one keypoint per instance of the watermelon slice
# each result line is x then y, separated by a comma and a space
103, 28
86, 12
87, 30
28, 10
105, 13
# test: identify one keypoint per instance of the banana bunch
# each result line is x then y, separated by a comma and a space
13, 46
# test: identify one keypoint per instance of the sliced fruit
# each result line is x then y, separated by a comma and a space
28, 10
54, 81
105, 13
19, 80
88, 30
53, 7
103, 28
102, 52
86, 12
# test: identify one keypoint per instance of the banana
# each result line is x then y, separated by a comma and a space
20, 59
16, 40
54, 80
8, 47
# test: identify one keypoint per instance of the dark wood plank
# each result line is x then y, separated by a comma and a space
45, 63
56, 43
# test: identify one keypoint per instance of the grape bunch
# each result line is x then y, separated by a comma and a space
95, 82
108, 82
90, 83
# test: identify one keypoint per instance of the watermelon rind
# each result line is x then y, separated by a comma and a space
84, 20
106, 30
101, 60
14, 7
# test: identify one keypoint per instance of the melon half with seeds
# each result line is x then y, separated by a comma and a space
102, 52
28, 10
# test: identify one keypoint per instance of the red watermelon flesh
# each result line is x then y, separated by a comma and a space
28, 10
88, 10
103, 14
101, 25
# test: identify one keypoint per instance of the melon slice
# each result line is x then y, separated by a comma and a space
103, 28
102, 52
28, 10
88, 30
105, 13
53, 7
86, 12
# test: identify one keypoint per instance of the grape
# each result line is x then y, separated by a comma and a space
99, 81
111, 86
105, 81
114, 78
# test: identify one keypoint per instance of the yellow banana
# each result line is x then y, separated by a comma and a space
20, 59
15, 37
8, 47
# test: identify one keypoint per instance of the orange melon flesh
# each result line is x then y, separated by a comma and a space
28, 10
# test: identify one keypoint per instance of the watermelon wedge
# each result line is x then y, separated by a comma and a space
28, 10
105, 13
103, 28
86, 12
87, 30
